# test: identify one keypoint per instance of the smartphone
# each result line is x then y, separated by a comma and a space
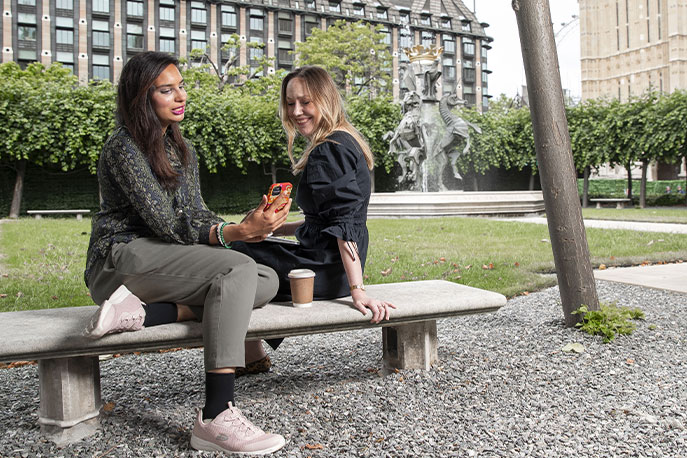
276, 190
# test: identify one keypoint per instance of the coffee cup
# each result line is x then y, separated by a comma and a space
302, 284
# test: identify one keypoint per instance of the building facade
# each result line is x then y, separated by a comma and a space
630, 46
94, 38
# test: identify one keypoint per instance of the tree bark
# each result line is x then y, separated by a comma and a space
531, 184
628, 169
642, 184
554, 156
18, 189
273, 172
585, 187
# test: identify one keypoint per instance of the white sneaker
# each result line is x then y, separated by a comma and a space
121, 312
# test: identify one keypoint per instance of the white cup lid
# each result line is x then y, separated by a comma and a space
301, 273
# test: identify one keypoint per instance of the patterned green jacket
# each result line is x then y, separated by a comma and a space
133, 204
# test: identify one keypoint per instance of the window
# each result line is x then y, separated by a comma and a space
101, 66
485, 102
228, 16
469, 75
387, 36
449, 68
257, 19
334, 6
167, 45
66, 59
284, 56
484, 52
310, 4
101, 6
382, 14
257, 52
485, 78
285, 24
64, 22
405, 40
466, 27
286, 3
198, 40
446, 22
468, 47
167, 32
64, 36
449, 44
26, 2
134, 8
426, 19
199, 14
134, 36
26, 54
310, 23
427, 39
65, 5
404, 17
167, 2
167, 13
26, 18
26, 32
359, 10
101, 34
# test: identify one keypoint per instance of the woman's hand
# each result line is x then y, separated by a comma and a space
261, 223
381, 310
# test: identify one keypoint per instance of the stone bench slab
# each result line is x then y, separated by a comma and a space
56, 333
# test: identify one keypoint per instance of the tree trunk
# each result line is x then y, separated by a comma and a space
18, 189
642, 184
554, 155
531, 184
585, 187
628, 169
273, 172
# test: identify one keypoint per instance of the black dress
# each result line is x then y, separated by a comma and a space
333, 193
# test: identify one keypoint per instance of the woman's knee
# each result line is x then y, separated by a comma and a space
268, 285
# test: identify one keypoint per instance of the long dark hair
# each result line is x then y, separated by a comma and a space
135, 112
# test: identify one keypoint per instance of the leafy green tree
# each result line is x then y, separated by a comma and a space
355, 54
46, 118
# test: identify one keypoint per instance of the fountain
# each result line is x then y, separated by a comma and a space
427, 143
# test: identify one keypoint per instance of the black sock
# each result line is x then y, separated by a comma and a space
160, 313
219, 391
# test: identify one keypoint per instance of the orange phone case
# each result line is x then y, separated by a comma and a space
275, 191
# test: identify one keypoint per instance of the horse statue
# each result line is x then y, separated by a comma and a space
457, 130
407, 142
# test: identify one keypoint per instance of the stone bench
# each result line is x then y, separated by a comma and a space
620, 202
38, 213
68, 364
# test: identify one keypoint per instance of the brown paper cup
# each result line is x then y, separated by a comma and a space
302, 283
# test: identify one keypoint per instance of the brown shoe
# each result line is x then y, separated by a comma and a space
256, 367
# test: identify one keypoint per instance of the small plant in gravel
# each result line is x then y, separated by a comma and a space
609, 320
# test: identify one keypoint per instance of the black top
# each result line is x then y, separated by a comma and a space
333, 193
133, 204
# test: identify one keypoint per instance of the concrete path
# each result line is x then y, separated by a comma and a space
672, 228
671, 277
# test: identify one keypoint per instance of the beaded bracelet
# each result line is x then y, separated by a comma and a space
220, 235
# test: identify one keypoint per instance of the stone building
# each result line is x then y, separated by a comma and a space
629, 47
95, 37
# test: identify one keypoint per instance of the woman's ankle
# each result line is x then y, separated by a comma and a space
254, 351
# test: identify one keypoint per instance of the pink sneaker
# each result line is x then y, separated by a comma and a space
232, 432
121, 312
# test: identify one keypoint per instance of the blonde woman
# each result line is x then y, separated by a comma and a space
334, 192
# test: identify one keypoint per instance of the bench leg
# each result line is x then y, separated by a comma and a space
69, 398
598, 205
79, 217
410, 346
620, 205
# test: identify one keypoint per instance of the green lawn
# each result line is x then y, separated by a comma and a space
653, 214
43, 260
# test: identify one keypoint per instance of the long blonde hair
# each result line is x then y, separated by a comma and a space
323, 93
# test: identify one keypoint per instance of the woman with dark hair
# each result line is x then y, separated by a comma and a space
155, 245
333, 193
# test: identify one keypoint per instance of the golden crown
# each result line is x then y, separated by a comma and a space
420, 52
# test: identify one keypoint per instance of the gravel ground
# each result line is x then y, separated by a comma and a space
503, 388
